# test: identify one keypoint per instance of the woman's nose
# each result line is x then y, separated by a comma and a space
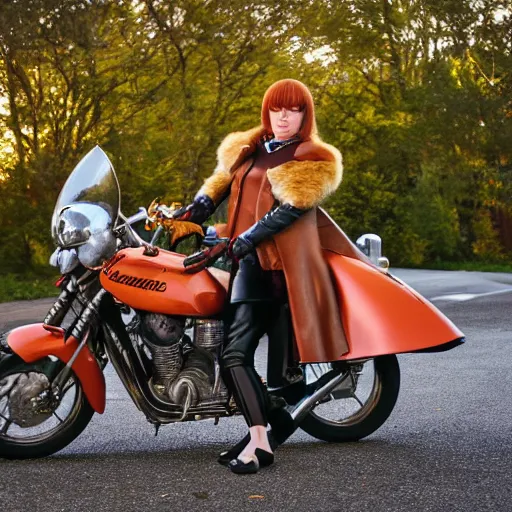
283, 113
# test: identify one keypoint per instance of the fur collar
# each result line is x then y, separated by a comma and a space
236, 146
304, 182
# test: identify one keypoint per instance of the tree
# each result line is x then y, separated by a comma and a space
65, 73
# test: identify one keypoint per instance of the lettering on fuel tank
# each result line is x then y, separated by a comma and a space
138, 282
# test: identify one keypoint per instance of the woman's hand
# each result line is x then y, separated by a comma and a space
197, 212
205, 258
273, 222
239, 247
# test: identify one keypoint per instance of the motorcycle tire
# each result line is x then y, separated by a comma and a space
43, 444
384, 397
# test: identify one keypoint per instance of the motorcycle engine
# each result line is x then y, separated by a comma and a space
162, 334
186, 371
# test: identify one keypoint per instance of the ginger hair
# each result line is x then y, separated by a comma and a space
289, 93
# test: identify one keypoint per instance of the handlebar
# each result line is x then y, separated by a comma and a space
133, 239
159, 221
141, 215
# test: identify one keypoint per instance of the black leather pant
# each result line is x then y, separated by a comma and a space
247, 323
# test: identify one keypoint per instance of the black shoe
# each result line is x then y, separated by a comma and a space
243, 468
227, 456
260, 459
264, 458
282, 425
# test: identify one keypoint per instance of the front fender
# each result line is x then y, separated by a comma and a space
33, 342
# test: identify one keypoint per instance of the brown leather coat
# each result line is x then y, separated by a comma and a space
303, 182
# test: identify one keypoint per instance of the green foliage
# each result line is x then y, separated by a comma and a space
35, 285
486, 246
416, 95
433, 218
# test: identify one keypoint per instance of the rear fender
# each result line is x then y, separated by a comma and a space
33, 342
382, 315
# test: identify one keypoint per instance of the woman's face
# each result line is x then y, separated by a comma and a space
285, 122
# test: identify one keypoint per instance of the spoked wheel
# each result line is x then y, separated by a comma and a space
33, 422
359, 405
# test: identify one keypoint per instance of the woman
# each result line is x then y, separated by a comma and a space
275, 176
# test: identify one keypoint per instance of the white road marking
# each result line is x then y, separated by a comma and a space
461, 297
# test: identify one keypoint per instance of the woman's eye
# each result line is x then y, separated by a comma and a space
292, 109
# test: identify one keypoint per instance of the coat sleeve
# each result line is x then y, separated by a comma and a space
234, 145
216, 186
273, 222
312, 176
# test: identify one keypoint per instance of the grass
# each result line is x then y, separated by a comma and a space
34, 285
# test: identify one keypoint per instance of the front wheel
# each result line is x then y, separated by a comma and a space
359, 405
32, 422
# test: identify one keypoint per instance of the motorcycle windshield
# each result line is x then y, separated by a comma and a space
92, 181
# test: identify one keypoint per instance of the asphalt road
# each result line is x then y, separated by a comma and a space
446, 446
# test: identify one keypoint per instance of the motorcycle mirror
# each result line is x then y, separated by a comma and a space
371, 245
383, 262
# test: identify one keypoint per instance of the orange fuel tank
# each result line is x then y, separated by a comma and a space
159, 284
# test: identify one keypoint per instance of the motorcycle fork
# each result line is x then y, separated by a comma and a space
84, 328
62, 377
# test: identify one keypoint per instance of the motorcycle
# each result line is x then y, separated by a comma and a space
130, 302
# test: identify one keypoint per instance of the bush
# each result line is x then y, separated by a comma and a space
487, 245
27, 286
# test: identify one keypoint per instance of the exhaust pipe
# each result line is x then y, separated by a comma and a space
299, 412
287, 420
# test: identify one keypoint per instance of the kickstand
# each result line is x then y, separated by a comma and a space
157, 428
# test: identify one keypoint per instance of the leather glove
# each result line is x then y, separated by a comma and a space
205, 258
196, 212
239, 247
273, 222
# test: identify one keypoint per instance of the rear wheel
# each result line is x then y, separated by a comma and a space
359, 405
33, 423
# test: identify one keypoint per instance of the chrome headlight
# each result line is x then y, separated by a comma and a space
88, 228
72, 228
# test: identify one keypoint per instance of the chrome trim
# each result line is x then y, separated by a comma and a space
366, 407
383, 262
300, 411
84, 232
137, 217
65, 259
371, 245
